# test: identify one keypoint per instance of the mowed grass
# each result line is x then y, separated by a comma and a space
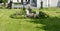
47, 24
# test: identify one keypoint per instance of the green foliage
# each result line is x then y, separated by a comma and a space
0, 1
43, 15
4, 1
16, 16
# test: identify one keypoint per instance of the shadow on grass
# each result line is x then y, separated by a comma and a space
52, 24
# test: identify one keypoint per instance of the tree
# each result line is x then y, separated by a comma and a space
1, 1
41, 4
4, 1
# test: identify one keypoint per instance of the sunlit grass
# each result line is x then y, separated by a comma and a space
49, 24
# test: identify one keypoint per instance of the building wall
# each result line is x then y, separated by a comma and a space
53, 3
46, 3
33, 3
17, 1
58, 4
38, 3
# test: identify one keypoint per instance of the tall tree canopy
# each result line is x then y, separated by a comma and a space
1, 1
4, 1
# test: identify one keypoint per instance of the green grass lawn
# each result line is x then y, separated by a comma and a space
47, 24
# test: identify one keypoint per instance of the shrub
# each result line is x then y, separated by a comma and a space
43, 15
16, 16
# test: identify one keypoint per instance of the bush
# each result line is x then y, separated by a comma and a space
43, 15
16, 16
